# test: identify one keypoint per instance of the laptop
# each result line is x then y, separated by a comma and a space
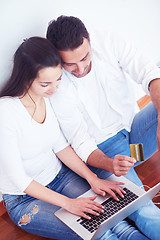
114, 211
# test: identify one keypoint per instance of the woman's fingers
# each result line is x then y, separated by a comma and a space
82, 206
117, 189
96, 207
110, 187
92, 207
93, 198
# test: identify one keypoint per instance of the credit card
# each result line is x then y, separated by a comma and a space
137, 152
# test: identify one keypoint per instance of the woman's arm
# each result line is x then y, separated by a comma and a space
78, 206
70, 158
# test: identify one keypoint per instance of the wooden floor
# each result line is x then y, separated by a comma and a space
149, 173
9, 231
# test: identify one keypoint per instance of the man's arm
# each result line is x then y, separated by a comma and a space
71, 121
120, 165
75, 130
154, 88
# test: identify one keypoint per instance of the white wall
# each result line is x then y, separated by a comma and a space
20, 19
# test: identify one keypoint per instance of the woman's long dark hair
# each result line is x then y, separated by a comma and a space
32, 55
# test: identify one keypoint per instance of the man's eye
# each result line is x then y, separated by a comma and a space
68, 64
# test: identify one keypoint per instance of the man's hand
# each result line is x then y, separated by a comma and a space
122, 164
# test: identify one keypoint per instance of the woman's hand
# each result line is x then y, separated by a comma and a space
81, 206
102, 187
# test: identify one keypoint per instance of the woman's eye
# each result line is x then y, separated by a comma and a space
84, 59
44, 84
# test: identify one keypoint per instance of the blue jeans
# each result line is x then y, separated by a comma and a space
43, 222
41, 219
143, 130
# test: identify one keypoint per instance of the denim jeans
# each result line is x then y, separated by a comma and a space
143, 130
42, 220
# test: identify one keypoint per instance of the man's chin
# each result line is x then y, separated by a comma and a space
79, 75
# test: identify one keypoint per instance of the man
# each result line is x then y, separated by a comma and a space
95, 103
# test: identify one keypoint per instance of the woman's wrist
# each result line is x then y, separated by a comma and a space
91, 178
64, 202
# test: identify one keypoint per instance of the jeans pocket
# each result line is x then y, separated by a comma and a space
126, 134
118, 144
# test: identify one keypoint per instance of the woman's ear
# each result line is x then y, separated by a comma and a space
89, 36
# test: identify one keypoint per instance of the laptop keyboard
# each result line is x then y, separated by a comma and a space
111, 207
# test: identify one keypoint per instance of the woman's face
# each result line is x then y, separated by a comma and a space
47, 81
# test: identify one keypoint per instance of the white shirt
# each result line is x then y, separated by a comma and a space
27, 147
94, 108
109, 119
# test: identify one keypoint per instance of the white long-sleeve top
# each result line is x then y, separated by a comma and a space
27, 148
94, 108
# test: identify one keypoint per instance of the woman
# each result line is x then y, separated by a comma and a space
39, 171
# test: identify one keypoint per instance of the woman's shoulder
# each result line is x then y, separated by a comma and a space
7, 100
8, 106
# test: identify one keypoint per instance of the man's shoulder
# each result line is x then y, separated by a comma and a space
65, 90
101, 44
103, 40
65, 83
99, 35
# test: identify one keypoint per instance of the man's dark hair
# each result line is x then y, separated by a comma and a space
67, 32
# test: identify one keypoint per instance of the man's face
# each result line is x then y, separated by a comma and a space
77, 61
